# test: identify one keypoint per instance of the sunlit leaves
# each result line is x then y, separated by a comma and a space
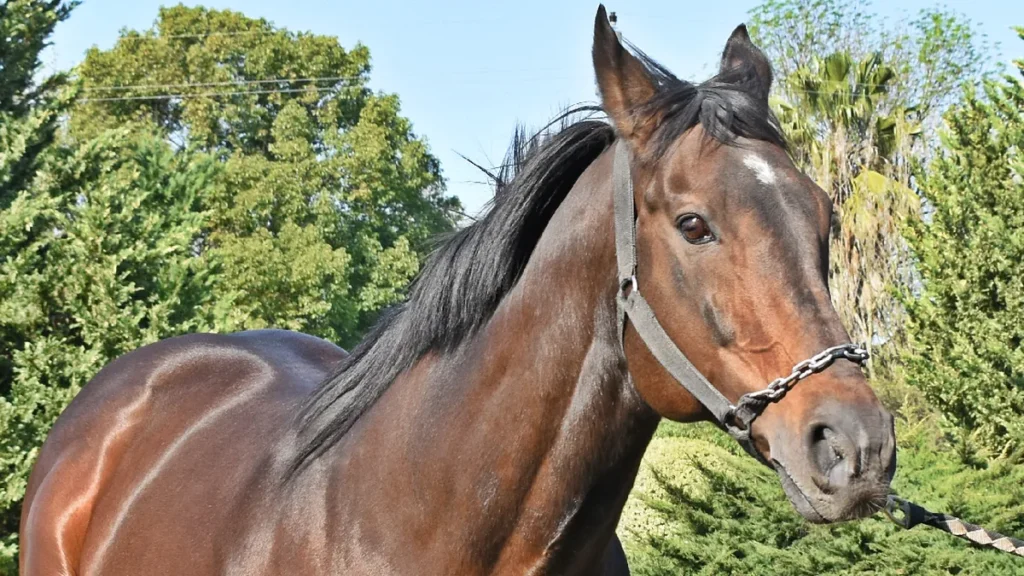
319, 170
967, 321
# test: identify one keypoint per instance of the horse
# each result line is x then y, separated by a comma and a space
494, 421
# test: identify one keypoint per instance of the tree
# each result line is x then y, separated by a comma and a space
931, 54
28, 110
853, 99
324, 180
967, 318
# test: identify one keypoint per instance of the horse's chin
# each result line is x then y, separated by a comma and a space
820, 508
798, 497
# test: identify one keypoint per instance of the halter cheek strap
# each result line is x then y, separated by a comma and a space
735, 419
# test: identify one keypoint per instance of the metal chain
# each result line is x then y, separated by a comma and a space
813, 365
739, 419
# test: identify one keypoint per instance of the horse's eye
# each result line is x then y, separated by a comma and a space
695, 229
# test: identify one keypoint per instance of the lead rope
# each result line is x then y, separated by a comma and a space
906, 514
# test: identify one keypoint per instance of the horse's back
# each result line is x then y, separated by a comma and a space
166, 438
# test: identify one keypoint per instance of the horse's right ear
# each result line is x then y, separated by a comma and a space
622, 80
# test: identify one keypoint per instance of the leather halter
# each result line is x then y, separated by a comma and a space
735, 419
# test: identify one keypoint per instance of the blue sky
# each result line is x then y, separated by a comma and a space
468, 71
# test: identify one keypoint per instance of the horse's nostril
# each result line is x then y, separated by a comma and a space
826, 449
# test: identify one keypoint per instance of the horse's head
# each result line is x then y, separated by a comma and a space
732, 256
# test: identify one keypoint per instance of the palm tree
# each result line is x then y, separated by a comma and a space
845, 132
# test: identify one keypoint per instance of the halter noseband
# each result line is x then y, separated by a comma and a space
735, 419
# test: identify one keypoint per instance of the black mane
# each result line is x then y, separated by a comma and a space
465, 278
726, 106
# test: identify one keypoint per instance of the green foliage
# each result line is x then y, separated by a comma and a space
967, 318
328, 198
931, 54
837, 93
941, 52
794, 32
28, 110
855, 97
702, 506
25, 27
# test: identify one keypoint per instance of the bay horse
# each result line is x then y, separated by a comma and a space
494, 422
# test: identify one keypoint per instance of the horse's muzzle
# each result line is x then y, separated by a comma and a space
844, 466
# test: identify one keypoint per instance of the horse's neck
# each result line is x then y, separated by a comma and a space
524, 443
574, 431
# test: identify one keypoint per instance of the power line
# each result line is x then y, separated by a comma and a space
213, 84
207, 35
186, 95
310, 79
202, 95
126, 87
183, 95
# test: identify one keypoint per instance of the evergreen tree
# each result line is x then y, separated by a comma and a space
28, 109
967, 318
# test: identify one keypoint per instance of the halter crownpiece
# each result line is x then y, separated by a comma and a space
735, 419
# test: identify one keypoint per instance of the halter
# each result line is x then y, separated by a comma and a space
735, 419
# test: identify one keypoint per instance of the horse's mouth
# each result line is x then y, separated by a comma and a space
862, 501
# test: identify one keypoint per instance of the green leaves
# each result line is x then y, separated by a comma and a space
967, 321
319, 171
25, 26
217, 79
28, 110
931, 54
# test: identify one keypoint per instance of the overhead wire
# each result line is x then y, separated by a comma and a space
186, 95
127, 87
191, 95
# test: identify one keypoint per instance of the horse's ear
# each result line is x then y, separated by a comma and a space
740, 52
622, 80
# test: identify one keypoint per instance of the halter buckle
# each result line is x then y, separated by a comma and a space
628, 282
897, 510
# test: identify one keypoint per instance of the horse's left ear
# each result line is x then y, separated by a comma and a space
741, 53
